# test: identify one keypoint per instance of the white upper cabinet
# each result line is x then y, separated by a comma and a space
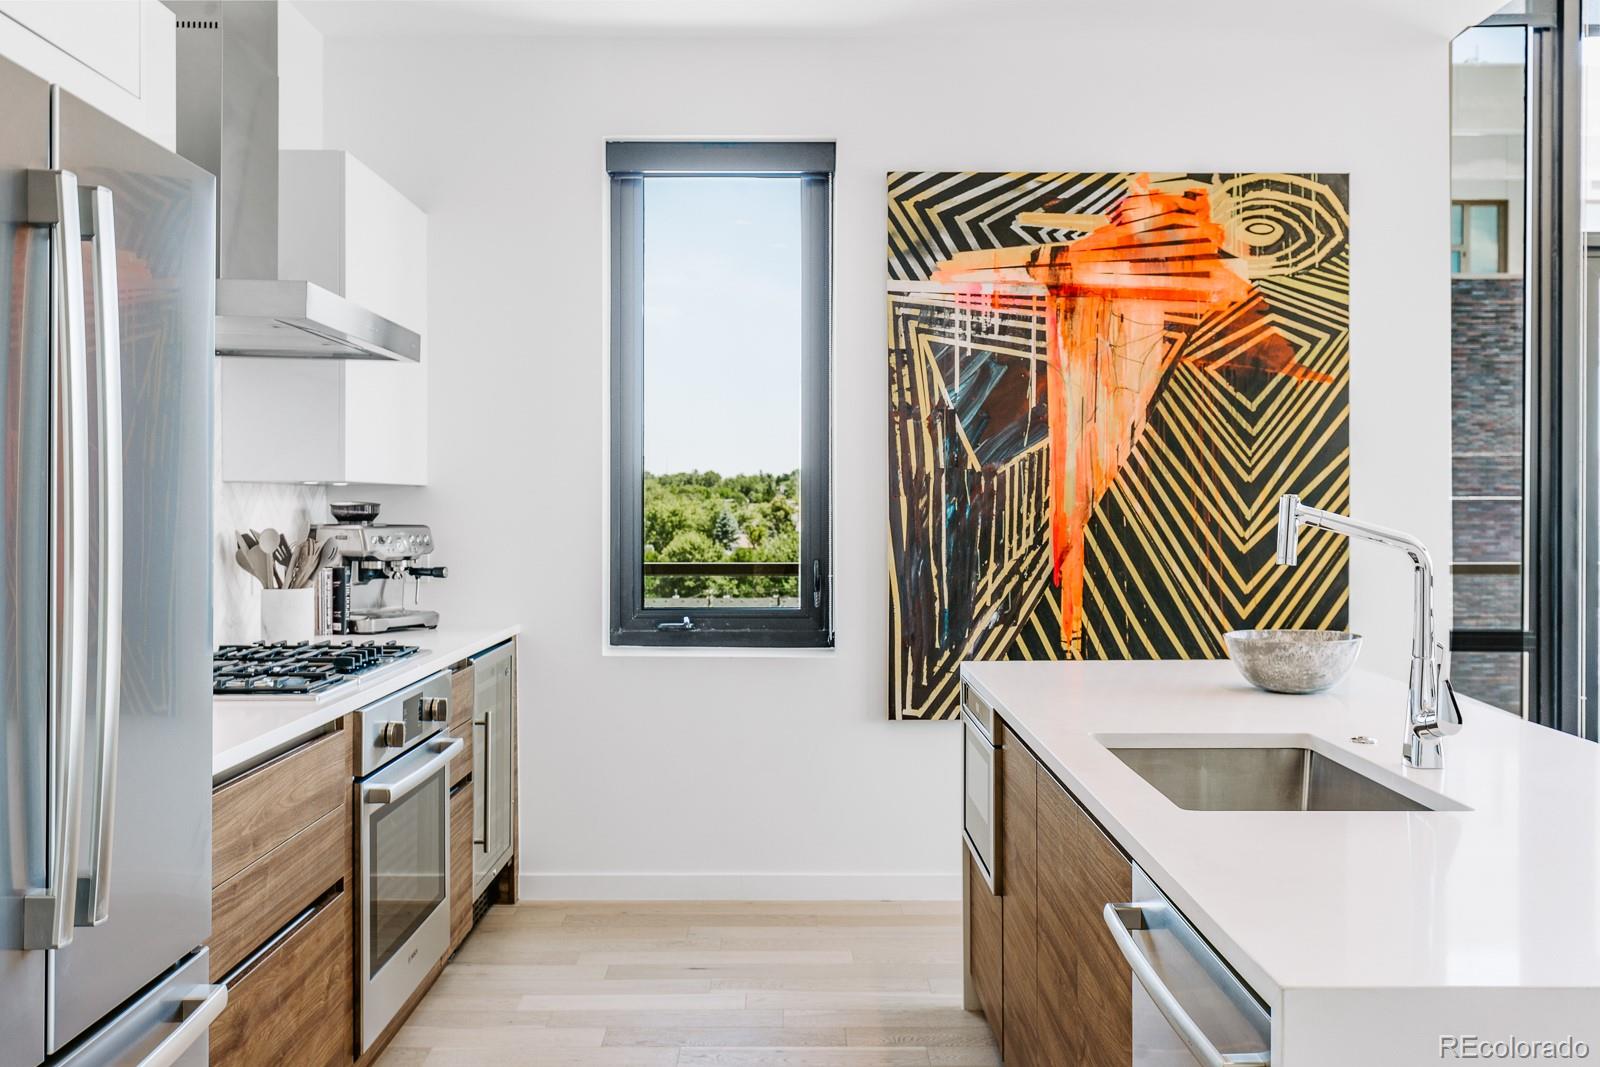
344, 228
119, 56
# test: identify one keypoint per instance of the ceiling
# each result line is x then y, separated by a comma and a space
541, 18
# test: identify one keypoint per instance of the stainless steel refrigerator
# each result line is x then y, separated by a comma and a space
107, 255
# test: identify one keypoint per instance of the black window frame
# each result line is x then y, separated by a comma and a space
630, 165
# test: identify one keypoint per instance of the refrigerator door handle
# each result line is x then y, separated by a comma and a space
48, 917
483, 723
196, 1013
98, 227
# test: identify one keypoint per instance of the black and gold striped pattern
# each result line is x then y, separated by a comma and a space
1180, 548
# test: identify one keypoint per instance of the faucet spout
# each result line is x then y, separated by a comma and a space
1431, 708
1288, 530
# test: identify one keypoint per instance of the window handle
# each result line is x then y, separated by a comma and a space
684, 627
816, 583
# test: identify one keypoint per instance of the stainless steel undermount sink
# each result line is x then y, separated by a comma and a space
1260, 779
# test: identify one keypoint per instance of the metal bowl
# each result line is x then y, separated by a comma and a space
354, 510
1293, 661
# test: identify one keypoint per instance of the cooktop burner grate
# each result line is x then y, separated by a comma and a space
297, 668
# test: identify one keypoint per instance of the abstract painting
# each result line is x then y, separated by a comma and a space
1099, 385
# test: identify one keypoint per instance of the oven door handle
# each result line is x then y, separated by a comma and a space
378, 796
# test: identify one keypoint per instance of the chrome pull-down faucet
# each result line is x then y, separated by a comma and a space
1431, 709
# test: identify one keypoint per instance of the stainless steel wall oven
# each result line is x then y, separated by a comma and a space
403, 834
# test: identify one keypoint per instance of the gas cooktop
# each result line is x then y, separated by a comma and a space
298, 668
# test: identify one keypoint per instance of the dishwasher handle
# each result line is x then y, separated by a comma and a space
1123, 918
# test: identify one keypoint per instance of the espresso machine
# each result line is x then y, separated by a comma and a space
375, 559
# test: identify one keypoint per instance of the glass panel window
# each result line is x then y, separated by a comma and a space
722, 316
720, 330
1486, 238
1488, 360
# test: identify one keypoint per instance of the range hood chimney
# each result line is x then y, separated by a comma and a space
228, 124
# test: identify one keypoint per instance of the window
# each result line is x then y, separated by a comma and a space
1526, 532
720, 336
1489, 362
1478, 237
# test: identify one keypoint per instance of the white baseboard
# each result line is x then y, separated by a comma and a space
623, 886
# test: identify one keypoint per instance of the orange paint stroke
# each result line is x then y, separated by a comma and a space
1110, 295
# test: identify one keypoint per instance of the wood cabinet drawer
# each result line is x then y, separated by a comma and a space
254, 904
461, 833
463, 687
260, 810
294, 1003
461, 765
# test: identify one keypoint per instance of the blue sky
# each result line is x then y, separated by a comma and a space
721, 324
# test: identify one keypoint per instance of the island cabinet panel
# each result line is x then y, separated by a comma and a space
292, 1001
1020, 777
983, 948
1083, 978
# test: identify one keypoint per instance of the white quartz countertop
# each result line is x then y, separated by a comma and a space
246, 727
1505, 894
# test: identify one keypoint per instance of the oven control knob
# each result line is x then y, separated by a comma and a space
391, 734
435, 709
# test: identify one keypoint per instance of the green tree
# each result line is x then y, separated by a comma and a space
725, 528
689, 546
703, 516
664, 519
780, 515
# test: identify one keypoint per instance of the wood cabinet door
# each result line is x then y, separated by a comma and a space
983, 949
460, 863
1082, 975
1019, 881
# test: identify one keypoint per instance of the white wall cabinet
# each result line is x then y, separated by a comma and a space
344, 228
119, 56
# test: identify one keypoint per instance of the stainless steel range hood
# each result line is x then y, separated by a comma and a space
228, 123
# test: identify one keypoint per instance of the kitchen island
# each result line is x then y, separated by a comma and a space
1378, 937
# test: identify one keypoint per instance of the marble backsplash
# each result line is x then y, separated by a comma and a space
288, 508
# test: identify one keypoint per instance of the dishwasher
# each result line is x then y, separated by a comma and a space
1189, 1008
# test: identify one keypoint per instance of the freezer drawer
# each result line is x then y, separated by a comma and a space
168, 1025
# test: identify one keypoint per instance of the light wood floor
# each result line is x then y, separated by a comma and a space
696, 984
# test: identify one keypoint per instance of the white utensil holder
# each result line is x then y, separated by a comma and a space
288, 614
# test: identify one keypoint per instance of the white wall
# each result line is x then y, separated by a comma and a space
648, 776
289, 508
300, 64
